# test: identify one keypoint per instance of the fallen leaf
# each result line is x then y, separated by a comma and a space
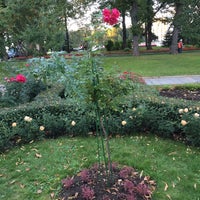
152, 182
52, 195
115, 189
195, 186
37, 155
73, 197
108, 190
178, 178
22, 186
172, 153
28, 169
168, 196
34, 149
141, 173
146, 178
13, 181
39, 191
166, 186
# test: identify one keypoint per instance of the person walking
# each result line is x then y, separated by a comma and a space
180, 46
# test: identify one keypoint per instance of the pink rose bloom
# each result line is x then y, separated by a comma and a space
111, 16
115, 13
21, 78
12, 79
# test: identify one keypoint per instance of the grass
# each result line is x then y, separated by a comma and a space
9, 68
157, 64
35, 171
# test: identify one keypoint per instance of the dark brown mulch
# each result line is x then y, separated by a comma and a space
124, 184
181, 94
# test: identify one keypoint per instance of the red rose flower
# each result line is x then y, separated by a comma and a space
111, 16
20, 78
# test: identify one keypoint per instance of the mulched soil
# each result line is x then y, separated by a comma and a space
124, 184
181, 94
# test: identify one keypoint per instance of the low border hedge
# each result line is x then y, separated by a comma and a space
144, 112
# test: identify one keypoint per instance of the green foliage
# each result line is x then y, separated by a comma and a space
17, 93
190, 124
109, 45
68, 107
149, 114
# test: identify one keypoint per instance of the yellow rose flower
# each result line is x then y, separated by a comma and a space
42, 128
27, 119
14, 124
73, 123
196, 115
183, 122
180, 111
123, 123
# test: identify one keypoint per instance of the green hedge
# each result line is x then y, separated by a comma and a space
144, 112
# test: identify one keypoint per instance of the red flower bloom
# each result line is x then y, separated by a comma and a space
21, 78
12, 79
111, 16
27, 64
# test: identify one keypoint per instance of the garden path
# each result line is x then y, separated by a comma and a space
172, 80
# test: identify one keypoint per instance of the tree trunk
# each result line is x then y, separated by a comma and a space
176, 31
149, 35
148, 27
136, 45
2, 46
66, 45
135, 28
124, 43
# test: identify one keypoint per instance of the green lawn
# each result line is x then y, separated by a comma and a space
35, 171
145, 65
157, 64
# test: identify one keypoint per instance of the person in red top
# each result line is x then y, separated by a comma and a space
180, 46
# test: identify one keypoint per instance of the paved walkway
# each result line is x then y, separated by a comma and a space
172, 80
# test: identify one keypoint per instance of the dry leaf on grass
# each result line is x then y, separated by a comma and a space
37, 155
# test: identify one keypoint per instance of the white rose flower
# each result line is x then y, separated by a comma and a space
123, 123
183, 122
196, 115
73, 123
14, 124
134, 109
42, 128
180, 111
27, 119
186, 110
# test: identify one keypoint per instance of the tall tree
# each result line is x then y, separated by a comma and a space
134, 13
177, 28
152, 7
3, 28
190, 20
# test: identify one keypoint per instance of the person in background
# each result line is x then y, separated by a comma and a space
180, 46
